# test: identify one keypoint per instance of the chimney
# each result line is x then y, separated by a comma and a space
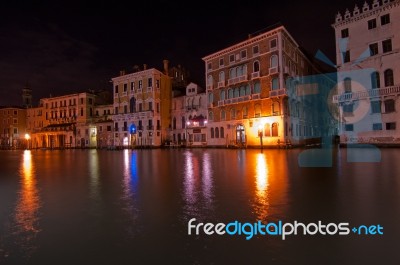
122, 72
144, 66
166, 70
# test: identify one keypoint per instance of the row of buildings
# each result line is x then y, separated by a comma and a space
261, 91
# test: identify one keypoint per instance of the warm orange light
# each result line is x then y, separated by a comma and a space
27, 136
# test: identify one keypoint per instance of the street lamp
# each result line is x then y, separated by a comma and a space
260, 134
27, 137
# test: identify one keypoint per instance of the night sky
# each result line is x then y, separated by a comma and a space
61, 48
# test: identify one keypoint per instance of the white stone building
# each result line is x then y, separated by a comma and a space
368, 61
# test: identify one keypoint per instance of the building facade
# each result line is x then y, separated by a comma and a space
142, 105
13, 128
253, 93
367, 55
67, 121
189, 117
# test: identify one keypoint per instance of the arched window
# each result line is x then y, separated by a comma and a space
216, 132
274, 129
248, 91
221, 77
233, 114
375, 82
389, 79
223, 115
244, 70
274, 61
236, 94
221, 130
210, 98
211, 116
242, 91
257, 110
210, 80
239, 71
274, 84
256, 66
232, 73
230, 93
174, 123
245, 112
347, 85
257, 88
132, 105
222, 95
275, 108
267, 130
212, 132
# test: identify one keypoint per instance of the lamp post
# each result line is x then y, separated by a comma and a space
260, 135
27, 137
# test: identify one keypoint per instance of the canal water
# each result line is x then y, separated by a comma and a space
133, 206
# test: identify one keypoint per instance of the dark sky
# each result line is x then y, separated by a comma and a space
71, 47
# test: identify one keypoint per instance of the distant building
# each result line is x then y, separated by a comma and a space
255, 93
13, 127
367, 55
189, 117
67, 121
142, 104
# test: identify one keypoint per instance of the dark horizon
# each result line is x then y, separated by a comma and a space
67, 48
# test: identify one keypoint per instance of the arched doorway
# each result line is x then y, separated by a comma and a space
240, 134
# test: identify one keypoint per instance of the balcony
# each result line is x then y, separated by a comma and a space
278, 93
221, 103
150, 88
210, 105
210, 87
221, 84
273, 70
255, 75
150, 127
386, 91
255, 96
238, 79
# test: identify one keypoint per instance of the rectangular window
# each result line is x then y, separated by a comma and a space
15, 130
345, 33
125, 87
391, 126
231, 58
376, 106
125, 109
385, 19
100, 128
373, 49
387, 45
372, 23
81, 102
15, 121
140, 84
81, 112
377, 126
346, 57
273, 44
158, 107
349, 127
140, 107
209, 66
389, 106
150, 105
255, 50
243, 54
221, 62
157, 83
116, 89
348, 108
108, 128
116, 110
132, 86
116, 126
150, 82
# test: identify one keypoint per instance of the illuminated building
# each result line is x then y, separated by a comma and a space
367, 57
189, 117
247, 87
12, 127
142, 105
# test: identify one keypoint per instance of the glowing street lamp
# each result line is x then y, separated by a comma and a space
27, 137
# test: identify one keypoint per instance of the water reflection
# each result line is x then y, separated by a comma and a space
94, 176
261, 206
198, 185
129, 190
27, 209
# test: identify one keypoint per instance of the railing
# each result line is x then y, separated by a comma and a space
221, 84
255, 96
273, 70
238, 79
255, 75
376, 92
210, 87
221, 103
277, 93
